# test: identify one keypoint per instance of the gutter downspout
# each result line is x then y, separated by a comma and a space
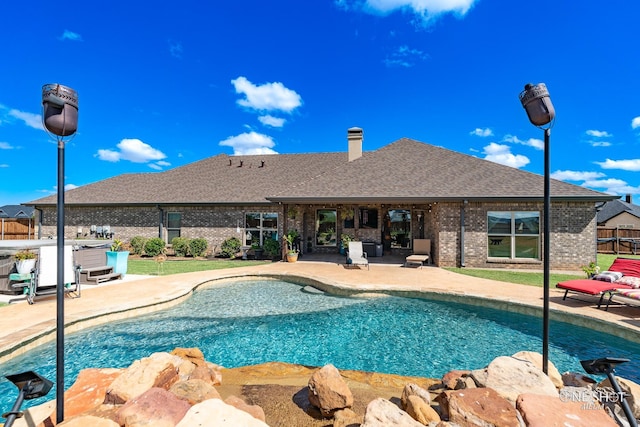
39, 223
598, 209
462, 231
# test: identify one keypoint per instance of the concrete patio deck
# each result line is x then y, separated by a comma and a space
23, 326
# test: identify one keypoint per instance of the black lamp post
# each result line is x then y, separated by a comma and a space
536, 101
60, 118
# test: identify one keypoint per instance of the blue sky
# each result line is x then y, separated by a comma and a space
164, 86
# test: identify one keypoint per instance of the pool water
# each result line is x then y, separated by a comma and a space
260, 321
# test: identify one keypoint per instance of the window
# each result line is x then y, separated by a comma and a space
513, 234
174, 221
260, 226
326, 220
368, 218
400, 228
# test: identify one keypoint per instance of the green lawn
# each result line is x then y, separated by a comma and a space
151, 267
536, 279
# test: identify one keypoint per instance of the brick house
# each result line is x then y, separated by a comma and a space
477, 213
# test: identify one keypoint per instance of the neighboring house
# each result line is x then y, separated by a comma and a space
16, 222
619, 214
477, 213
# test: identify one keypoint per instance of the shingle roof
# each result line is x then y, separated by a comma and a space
616, 207
403, 170
16, 211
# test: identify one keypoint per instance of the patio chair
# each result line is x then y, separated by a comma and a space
44, 279
356, 255
421, 253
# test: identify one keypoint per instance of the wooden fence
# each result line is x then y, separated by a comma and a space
618, 241
17, 229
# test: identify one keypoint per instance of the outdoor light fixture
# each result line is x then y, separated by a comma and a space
606, 366
60, 119
30, 386
537, 103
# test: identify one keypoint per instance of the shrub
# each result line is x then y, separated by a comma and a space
154, 246
180, 246
271, 248
137, 245
230, 247
198, 247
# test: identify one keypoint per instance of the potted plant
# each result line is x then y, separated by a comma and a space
257, 250
345, 238
25, 261
117, 257
290, 238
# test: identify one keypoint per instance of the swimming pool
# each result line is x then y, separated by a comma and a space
258, 321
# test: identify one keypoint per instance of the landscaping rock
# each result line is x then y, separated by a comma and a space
383, 413
536, 359
511, 377
548, 411
254, 410
214, 412
156, 407
157, 370
194, 391
414, 390
89, 420
478, 407
420, 410
328, 391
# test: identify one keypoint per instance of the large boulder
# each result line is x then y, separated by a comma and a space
158, 370
478, 407
511, 377
88, 420
214, 412
631, 389
254, 410
328, 391
383, 413
156, 407
420, 410
545, 411
194, 391
536, 359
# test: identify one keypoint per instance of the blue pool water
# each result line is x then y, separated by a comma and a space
260, 321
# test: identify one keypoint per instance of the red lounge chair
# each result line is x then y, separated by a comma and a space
626, 266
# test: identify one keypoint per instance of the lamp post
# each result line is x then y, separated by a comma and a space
537, 103
60, 119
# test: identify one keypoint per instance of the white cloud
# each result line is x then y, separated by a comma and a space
404, 57
70, 35
576, 175
274, 122
481, 132
4, 165
627, 165
498, 153
132, 150
267, 97
250, 143
599, 133
531, 142
635, 123
155, 166
612, 186
30, 119
5, 146
600, 143
175, 49
68, 187
425, 10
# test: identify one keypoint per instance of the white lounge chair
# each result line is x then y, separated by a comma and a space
421, 253
356, 255
44, 279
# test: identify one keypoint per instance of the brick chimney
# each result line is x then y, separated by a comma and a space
355, 138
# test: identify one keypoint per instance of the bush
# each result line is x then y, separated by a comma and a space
230, 247
271, 248
137, 245
198, 247
154, 246
180, 246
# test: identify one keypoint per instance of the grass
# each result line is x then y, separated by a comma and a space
535, 278
151, 267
